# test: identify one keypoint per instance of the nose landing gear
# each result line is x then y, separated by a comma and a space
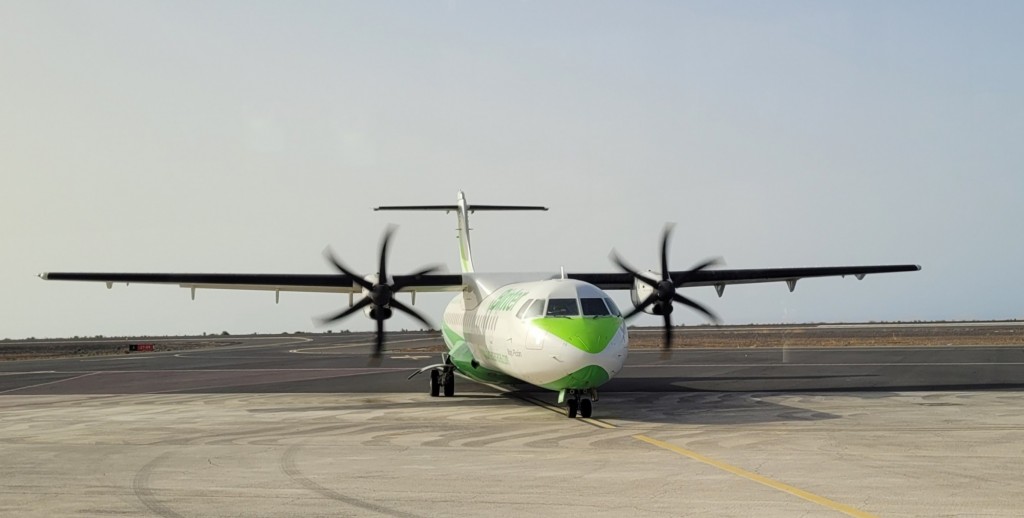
578, 402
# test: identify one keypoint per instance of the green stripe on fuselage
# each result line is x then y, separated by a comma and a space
591, 376
451, 338
586, 333
462, 358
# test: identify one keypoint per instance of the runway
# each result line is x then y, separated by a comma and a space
307, 426
340, 364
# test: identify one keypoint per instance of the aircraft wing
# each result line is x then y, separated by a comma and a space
327, 283
719, 278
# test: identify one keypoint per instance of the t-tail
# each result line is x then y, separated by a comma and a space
462, 210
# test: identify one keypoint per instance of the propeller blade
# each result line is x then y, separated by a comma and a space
695, 305
426, 271
714, 261
668, 331
628, 269
411, 312
329, 254
614, 256
397, 286
383, 270
640, 307
665, 293
365, 301
379, 344
381, 293
666, 234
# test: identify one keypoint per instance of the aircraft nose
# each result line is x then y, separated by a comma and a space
591, 335
587, 352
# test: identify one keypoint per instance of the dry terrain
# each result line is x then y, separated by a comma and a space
64, 348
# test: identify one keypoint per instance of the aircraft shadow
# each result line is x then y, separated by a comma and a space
720, 408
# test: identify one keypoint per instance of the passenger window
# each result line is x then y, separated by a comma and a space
522, 310
562, 308
611, 306
535, 310
594, 307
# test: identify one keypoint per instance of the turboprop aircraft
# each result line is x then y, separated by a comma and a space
557, 331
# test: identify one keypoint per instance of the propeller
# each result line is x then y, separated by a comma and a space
380, 295
664, 294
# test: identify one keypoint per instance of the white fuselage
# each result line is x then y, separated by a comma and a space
558, 334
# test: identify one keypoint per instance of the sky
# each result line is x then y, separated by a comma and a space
246, 136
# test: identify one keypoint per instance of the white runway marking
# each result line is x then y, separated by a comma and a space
791, 364
139, 371
347, 346
206, 387
121, 358
149, 340
816, 349
47, 383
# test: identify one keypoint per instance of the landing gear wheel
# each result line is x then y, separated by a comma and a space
573, 405
449, 384
435, 383
586, 408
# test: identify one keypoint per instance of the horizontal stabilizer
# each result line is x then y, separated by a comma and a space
469, 208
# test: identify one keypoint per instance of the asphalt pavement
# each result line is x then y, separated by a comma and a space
342, 364
298, 426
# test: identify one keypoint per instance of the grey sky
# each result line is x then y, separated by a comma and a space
245, 136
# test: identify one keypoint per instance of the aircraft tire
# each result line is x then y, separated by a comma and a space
435, 383
573, 406
586, 408
449, 385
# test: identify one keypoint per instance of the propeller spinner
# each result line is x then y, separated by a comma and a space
664, 294
379, 294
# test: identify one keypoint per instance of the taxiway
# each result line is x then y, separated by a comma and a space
307, 426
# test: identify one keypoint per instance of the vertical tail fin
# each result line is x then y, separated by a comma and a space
462, 210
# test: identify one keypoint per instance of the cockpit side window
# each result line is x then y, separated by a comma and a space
522, 310
562, 308
594, 307
612, 307
534, 310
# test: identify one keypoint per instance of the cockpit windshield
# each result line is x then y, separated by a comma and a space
562, 308
594, 307
612, 307
534, 309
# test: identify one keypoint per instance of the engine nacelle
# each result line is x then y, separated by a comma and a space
373, 311
642, 290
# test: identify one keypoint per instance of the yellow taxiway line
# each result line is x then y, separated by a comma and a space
760, 479
749, 475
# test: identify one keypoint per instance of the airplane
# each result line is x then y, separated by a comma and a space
559, 331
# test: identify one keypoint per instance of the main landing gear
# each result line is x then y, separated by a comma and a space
442, 379
578, 402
